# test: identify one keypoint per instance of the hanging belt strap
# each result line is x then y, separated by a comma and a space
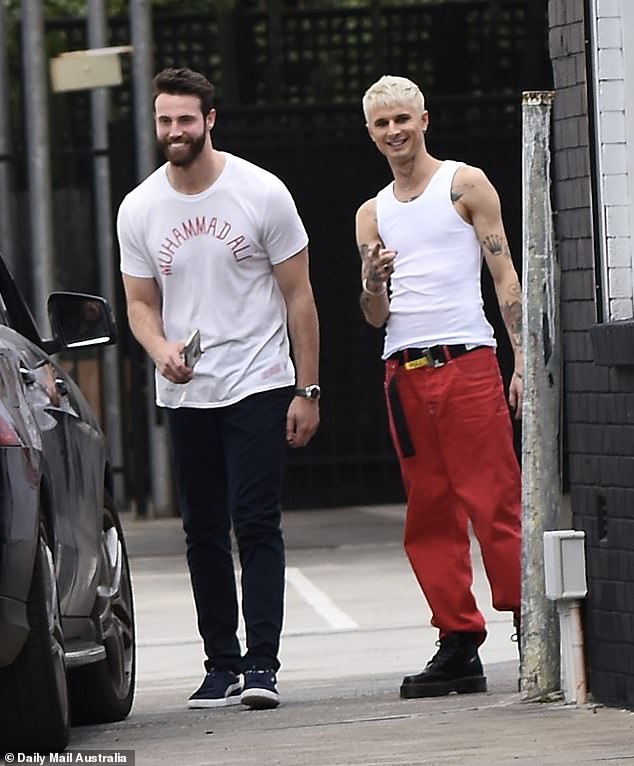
398, 417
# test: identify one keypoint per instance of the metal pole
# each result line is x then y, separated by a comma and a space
38, 159
110, 377
7, 243
142, 73
274, 19
541, 503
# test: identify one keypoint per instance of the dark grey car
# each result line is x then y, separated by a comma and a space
67, 637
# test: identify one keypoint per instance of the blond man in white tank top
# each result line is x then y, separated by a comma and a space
422, 240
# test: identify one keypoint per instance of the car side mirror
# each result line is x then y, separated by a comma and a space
79, 319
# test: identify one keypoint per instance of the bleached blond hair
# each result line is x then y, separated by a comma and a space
391, 90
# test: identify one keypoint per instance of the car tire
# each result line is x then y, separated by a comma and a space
34, 704
104, 691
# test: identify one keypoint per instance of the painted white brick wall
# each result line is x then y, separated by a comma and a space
617, 223
612, 124
613, 157
615, 153
609, 9
610, 32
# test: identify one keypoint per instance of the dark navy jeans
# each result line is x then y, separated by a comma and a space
229, 464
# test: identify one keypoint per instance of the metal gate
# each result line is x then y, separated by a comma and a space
289, 89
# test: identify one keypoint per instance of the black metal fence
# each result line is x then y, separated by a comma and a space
289, 87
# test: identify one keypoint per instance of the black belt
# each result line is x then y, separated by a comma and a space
433, 356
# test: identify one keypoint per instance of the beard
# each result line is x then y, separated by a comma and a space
185, 155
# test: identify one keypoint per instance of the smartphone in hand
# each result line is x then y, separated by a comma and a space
192, 351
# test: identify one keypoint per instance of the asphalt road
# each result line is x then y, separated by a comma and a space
355, 624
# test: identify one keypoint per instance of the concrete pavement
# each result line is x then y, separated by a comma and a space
355, 623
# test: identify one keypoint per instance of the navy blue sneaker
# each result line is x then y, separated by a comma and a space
260, 689
220, 687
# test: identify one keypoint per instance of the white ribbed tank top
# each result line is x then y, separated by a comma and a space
435, 295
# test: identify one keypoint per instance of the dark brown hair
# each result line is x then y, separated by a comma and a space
186, 82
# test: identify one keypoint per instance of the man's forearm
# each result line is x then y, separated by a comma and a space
374, 303
376, 268
511, 310
303, 328
146, 325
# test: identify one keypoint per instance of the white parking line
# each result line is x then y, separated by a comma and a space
321, 603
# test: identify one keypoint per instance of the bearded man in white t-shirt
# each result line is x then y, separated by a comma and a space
212, 242
426, 234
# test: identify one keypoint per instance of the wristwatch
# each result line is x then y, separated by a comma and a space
309, 392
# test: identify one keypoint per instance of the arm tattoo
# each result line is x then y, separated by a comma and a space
496, 245
458, 194
512, 316
516, 290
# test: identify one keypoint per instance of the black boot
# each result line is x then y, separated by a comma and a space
455, 667
517, 636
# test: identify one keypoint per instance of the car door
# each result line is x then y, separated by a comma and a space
72, 465
73, 452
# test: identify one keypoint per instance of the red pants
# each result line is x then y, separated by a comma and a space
464, 469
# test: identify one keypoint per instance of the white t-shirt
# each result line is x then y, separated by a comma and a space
211, 255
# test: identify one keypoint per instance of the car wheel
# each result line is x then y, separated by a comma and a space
34, 707
104, 691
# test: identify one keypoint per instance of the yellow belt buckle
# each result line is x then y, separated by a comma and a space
415, 363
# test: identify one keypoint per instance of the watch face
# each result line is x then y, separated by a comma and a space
310, 392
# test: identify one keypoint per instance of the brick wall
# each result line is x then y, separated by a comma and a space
598, 369
612, 157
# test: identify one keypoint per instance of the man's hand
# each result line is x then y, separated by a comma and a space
516, 394
378, 268
169, 361
302, 421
